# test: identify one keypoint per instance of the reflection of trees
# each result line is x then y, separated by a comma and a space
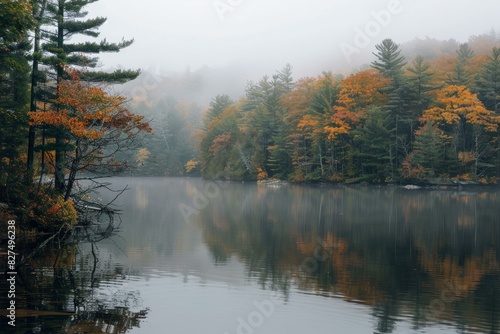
396, 250
66, 289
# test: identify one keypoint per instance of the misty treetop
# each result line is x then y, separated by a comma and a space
402, 120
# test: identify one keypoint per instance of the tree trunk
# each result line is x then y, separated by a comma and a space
59, 163
73, 171
34, 82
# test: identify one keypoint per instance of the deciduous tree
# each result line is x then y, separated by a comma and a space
97, 125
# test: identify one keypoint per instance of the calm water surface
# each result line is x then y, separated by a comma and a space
194, 256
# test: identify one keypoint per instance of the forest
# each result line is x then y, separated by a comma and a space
424, 112
424, 120
427, 112
61, 123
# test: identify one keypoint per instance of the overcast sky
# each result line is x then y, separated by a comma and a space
173, 35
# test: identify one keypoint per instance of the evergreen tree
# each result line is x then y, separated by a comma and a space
266, 112
430, 152
211, 122
285, 78
280, 160
217, 106
461, 75
15, 22
59, 21
39, 7
390, 63
420, 82
374, 150
321, 106
489, 93
389, 60
489, 82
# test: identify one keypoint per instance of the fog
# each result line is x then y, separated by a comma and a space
246, 39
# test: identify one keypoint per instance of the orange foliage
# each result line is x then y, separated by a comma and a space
220, 142
361, 90
357, 93
87, 111
262, 174
191, 165
456, 103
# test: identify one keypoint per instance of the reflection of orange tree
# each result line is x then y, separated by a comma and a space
377, 247
464, 278
342, 264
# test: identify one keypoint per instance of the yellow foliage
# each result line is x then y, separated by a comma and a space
307, 122
456, 103
466, 157
142, 155
50, 212
191, 165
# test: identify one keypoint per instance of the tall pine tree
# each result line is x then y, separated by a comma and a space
390, 63
489, 93
58, 22
16, 21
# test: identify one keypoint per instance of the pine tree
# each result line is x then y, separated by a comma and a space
286, 79
390, 63
389, 59
429, 150
16, 21
280, 160
489, 93
263, 102
58, 21
420, 82
217, 106
489, 82
39, 7
374, 150
461, 75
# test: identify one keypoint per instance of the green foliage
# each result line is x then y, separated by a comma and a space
461, 75
430, 154
489, 82
374, 150
397, 123
390, 63
15, 20
389, 59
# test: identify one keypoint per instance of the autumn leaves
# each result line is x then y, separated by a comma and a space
395, 122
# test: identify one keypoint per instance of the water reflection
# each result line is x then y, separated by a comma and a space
430, 256
67, 288
332, 259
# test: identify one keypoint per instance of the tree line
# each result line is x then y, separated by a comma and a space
396, 121
60, 121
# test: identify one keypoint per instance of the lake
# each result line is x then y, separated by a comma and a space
193, 256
